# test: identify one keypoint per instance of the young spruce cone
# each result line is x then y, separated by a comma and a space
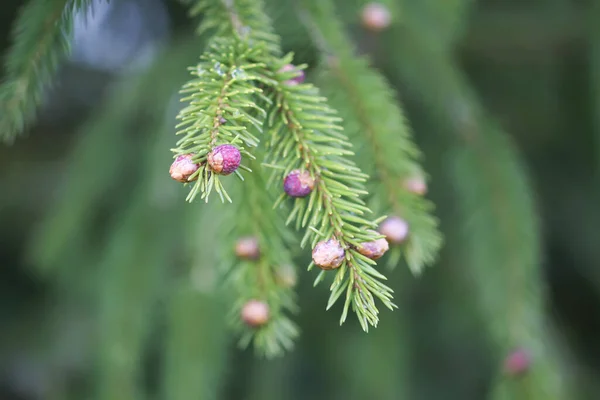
298, 183
376, 17
517, 362
416, 185
328, 254
395, 229
255, 313
183, 167
224, 159
374, 249
247, 248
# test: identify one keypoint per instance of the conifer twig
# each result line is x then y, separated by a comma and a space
222, 107
41, 37
305, 133
270, 278
375, 119
243, 19
496, 209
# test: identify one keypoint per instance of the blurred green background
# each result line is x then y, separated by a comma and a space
96, 243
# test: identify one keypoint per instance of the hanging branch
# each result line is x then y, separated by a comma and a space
243, 19
262, 274
224, 96
306, 135
300, 119
501, 243
41, 37
374, 118
222, 108
500, 219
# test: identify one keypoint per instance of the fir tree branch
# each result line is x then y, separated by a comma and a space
501, 244
374, 118
41, 37
244, 19
337, 209
222, 109
269, 278
306, 133
500, 220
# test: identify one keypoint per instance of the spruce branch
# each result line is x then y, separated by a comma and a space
270, 277
374, 118
41, 37
496, 213
243, 19
501, 240
306, 134
222, 109
500, 219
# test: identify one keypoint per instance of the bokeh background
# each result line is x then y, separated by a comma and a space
96, 294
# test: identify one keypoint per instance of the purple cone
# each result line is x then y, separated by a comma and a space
224, 159
298, 183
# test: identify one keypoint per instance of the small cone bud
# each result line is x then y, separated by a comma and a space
286, 276
224, 159
517, 362
299, 78
328, 254
376, 17
183, 167
255, 313
298, 183
395, 229
247, 248
416, 185
374, 249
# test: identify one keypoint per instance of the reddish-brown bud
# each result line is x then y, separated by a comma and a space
224, 159
328, 254
183, 167
247, 248
298, 183
395, 229
299, 78
255, 313
374, 249
416, 185
517, 362
376, 17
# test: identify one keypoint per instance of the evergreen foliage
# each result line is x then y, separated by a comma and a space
378, 125
261, 279
498, 216
220, 110
159, 272
304, 133
41, 37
